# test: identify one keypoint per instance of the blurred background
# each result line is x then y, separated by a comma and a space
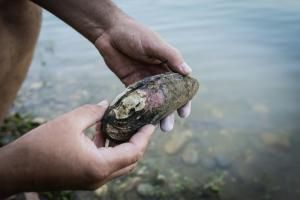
240, 141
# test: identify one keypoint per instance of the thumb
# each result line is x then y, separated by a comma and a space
87, 115
128, 153
171, 56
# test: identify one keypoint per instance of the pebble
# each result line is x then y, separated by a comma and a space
177, 141
146, 189
217, 113
190, 154
222, 161
36, 85
260, 108
272, 139
208, 162
31, 196
142, 171
39, 120
161, 179
102, 191
129, 184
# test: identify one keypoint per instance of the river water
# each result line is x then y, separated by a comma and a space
245, 119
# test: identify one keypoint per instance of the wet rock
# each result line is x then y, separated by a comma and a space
260, 108
217, 113
225, 132
36, 85
39, 120
102, 191
142, 171
146, 102
208, 162
160, 179
271, 139
31, 196
190, 154
176, 142
129, 184
222, 161
6, 139
146, 189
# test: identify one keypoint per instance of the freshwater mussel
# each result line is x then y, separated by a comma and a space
146, 102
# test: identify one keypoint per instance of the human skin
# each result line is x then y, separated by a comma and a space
19, 29
131, 50
58, 155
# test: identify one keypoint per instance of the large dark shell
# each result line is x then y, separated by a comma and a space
146, 102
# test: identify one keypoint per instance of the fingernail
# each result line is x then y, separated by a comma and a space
185, 110
103, 103
166, 127
186, 68
167, 123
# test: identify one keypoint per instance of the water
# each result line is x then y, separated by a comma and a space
245, 118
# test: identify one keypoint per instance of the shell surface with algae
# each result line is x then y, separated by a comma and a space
146, 102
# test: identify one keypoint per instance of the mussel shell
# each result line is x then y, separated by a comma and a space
146, 102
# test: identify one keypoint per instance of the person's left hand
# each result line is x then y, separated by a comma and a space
58, 155
133, 52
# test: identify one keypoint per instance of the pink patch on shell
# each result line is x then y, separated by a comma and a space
155, 98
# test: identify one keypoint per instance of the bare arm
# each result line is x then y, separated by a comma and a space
131, 50
90, 18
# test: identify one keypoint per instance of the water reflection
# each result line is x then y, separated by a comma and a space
246, 116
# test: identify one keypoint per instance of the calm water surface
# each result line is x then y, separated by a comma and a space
245, 118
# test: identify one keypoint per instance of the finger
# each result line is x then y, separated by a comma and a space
128, 153
98, 127
122, 172
185, 110
99, 140
174, 59
149, 60
87, 115
167, 123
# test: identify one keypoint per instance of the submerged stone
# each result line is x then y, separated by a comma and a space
190, 154
177, 141
275, 139
101, 191
146, 189
222, 161
146, 102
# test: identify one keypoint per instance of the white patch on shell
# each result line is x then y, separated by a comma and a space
119, 96
135, 101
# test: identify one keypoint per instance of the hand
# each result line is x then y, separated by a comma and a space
133, 52
58, 155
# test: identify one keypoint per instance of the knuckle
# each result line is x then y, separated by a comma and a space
130, 170
91, 109
102, 41
100, 174
135, 158
139, 155
96, 174
177, 52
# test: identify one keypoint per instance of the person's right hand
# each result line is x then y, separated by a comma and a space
58, 155
133, 51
